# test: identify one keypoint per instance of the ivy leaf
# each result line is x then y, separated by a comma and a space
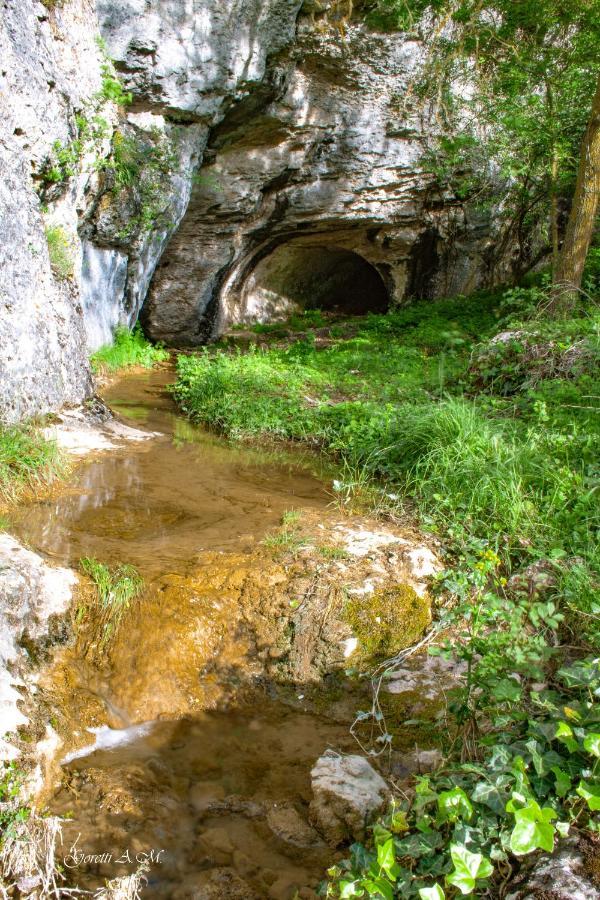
379, 887
533, 829
590, 793
507, 690
563, 781
564, 734
468, 867
432, 893
387, 859
592, 744
489, 795
454, 805
348, 889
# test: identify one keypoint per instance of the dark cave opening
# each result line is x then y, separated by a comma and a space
308, 277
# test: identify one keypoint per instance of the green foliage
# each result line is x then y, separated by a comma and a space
60, 251
130, 348
91, 127
112, 89
531, 70
63, 162
139, 167
27, 459
116, 589
536, 776
11, 810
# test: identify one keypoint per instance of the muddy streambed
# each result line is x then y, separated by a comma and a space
202, 764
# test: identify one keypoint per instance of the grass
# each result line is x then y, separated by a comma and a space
60, 252
116, 589
27, 460
488, 440
129, 348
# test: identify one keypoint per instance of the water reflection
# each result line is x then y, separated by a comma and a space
159, 504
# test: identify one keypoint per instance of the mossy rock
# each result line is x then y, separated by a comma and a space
388, 620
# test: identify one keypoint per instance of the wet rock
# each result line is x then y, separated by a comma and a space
289, 826
217, 884
347, 794
425, 677
561, 876
285, 888
216, 843
204, 794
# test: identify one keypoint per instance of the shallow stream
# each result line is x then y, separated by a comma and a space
213, 789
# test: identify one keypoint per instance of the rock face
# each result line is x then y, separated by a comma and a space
347, 794
43, 362
262, 164
561, 876
31, 592
316, 198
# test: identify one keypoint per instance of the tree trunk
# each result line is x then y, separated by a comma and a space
580, 227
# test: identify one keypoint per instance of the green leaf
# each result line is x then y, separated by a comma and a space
488, 794
507, 690
348, 889
468, 867
592, 744
432, 893
379, 887
387, 859
590, 793
564, 733
563, 781
454, 805
533, 829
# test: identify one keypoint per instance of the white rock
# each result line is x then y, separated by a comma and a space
347, 794
31, 592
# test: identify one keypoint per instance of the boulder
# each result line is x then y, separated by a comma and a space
347, 794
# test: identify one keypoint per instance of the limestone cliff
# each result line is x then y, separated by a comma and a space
247, 159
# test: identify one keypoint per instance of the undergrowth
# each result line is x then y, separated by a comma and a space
130, 348
27, 459
481, 416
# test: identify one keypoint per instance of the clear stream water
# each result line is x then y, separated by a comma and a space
216, 799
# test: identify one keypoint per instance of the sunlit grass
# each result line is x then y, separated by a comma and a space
129, 348
27, 460
116, 588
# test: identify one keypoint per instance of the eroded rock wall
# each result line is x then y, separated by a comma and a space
328, 163
43, 361
263, 138
185, 63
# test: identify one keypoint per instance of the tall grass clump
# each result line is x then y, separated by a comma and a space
129, 348
243, 395
116, 588
27, 460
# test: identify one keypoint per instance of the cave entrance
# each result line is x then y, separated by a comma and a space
296, 277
